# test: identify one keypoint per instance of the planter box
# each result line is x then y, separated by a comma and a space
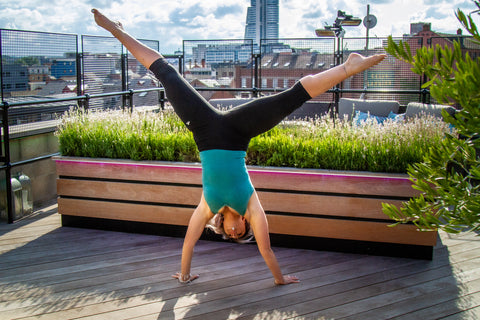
320, 209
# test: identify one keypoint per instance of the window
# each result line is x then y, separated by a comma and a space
244, 82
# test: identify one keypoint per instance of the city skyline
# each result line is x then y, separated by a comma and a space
171, 22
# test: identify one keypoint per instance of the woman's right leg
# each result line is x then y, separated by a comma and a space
145, 55
190, 106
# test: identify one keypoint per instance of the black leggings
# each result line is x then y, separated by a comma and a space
231, 129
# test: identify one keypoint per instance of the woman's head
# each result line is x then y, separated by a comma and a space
231, 226
234, 226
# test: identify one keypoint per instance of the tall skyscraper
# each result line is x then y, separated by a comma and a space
262, 20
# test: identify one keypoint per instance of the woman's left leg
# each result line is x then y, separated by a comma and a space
321, 82
260, 115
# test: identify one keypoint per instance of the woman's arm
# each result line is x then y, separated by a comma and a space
196, 225
259, 224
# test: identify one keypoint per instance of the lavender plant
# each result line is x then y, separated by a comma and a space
320, 143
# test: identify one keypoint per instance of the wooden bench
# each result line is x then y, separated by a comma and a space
326, 210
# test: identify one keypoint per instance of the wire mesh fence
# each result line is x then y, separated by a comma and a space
219, 64
108, 67
285, 61
101, 72
37, 66
139, 78
392, 76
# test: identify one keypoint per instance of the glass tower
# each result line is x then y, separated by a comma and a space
262, 20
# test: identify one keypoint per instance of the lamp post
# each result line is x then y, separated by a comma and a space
336, 30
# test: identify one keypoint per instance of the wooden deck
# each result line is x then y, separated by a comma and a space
53, 272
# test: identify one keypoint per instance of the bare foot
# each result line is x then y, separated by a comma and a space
357, 63
106, 23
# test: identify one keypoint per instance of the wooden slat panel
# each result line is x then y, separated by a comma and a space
129, 191
350, 230
129, 170
325, 181
314, 227
125, 211
324, 205
271, 178
285, 202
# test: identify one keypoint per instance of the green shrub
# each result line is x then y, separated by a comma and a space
449, 175
320, 143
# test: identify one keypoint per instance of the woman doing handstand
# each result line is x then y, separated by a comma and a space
222, 138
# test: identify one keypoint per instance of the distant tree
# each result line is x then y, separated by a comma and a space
449, 176
27, 61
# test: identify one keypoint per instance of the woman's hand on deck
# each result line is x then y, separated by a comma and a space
185, 278
288, 279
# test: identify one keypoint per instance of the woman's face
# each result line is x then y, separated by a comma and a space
234, 226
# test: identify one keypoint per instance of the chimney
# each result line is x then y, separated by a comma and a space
426, 27
459, 32
203, 63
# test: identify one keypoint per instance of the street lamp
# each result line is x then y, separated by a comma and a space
336, 30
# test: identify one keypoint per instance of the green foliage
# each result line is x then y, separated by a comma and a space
27, 61
320, 143
117, 134
448, 177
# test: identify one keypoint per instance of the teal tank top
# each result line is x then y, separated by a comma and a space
225, 180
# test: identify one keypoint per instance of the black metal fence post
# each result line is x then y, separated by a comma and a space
79, 74
161, 99
6, 143
130, 100
180, 64
7, 162
86, 103
124, 79
256, 78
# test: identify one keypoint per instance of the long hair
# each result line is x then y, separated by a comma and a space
216, 225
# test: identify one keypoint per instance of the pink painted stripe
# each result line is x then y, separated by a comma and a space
265, 172
128, 164
327, 175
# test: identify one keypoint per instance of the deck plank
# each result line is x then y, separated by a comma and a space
54, 272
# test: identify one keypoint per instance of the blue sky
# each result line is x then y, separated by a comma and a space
171, 21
